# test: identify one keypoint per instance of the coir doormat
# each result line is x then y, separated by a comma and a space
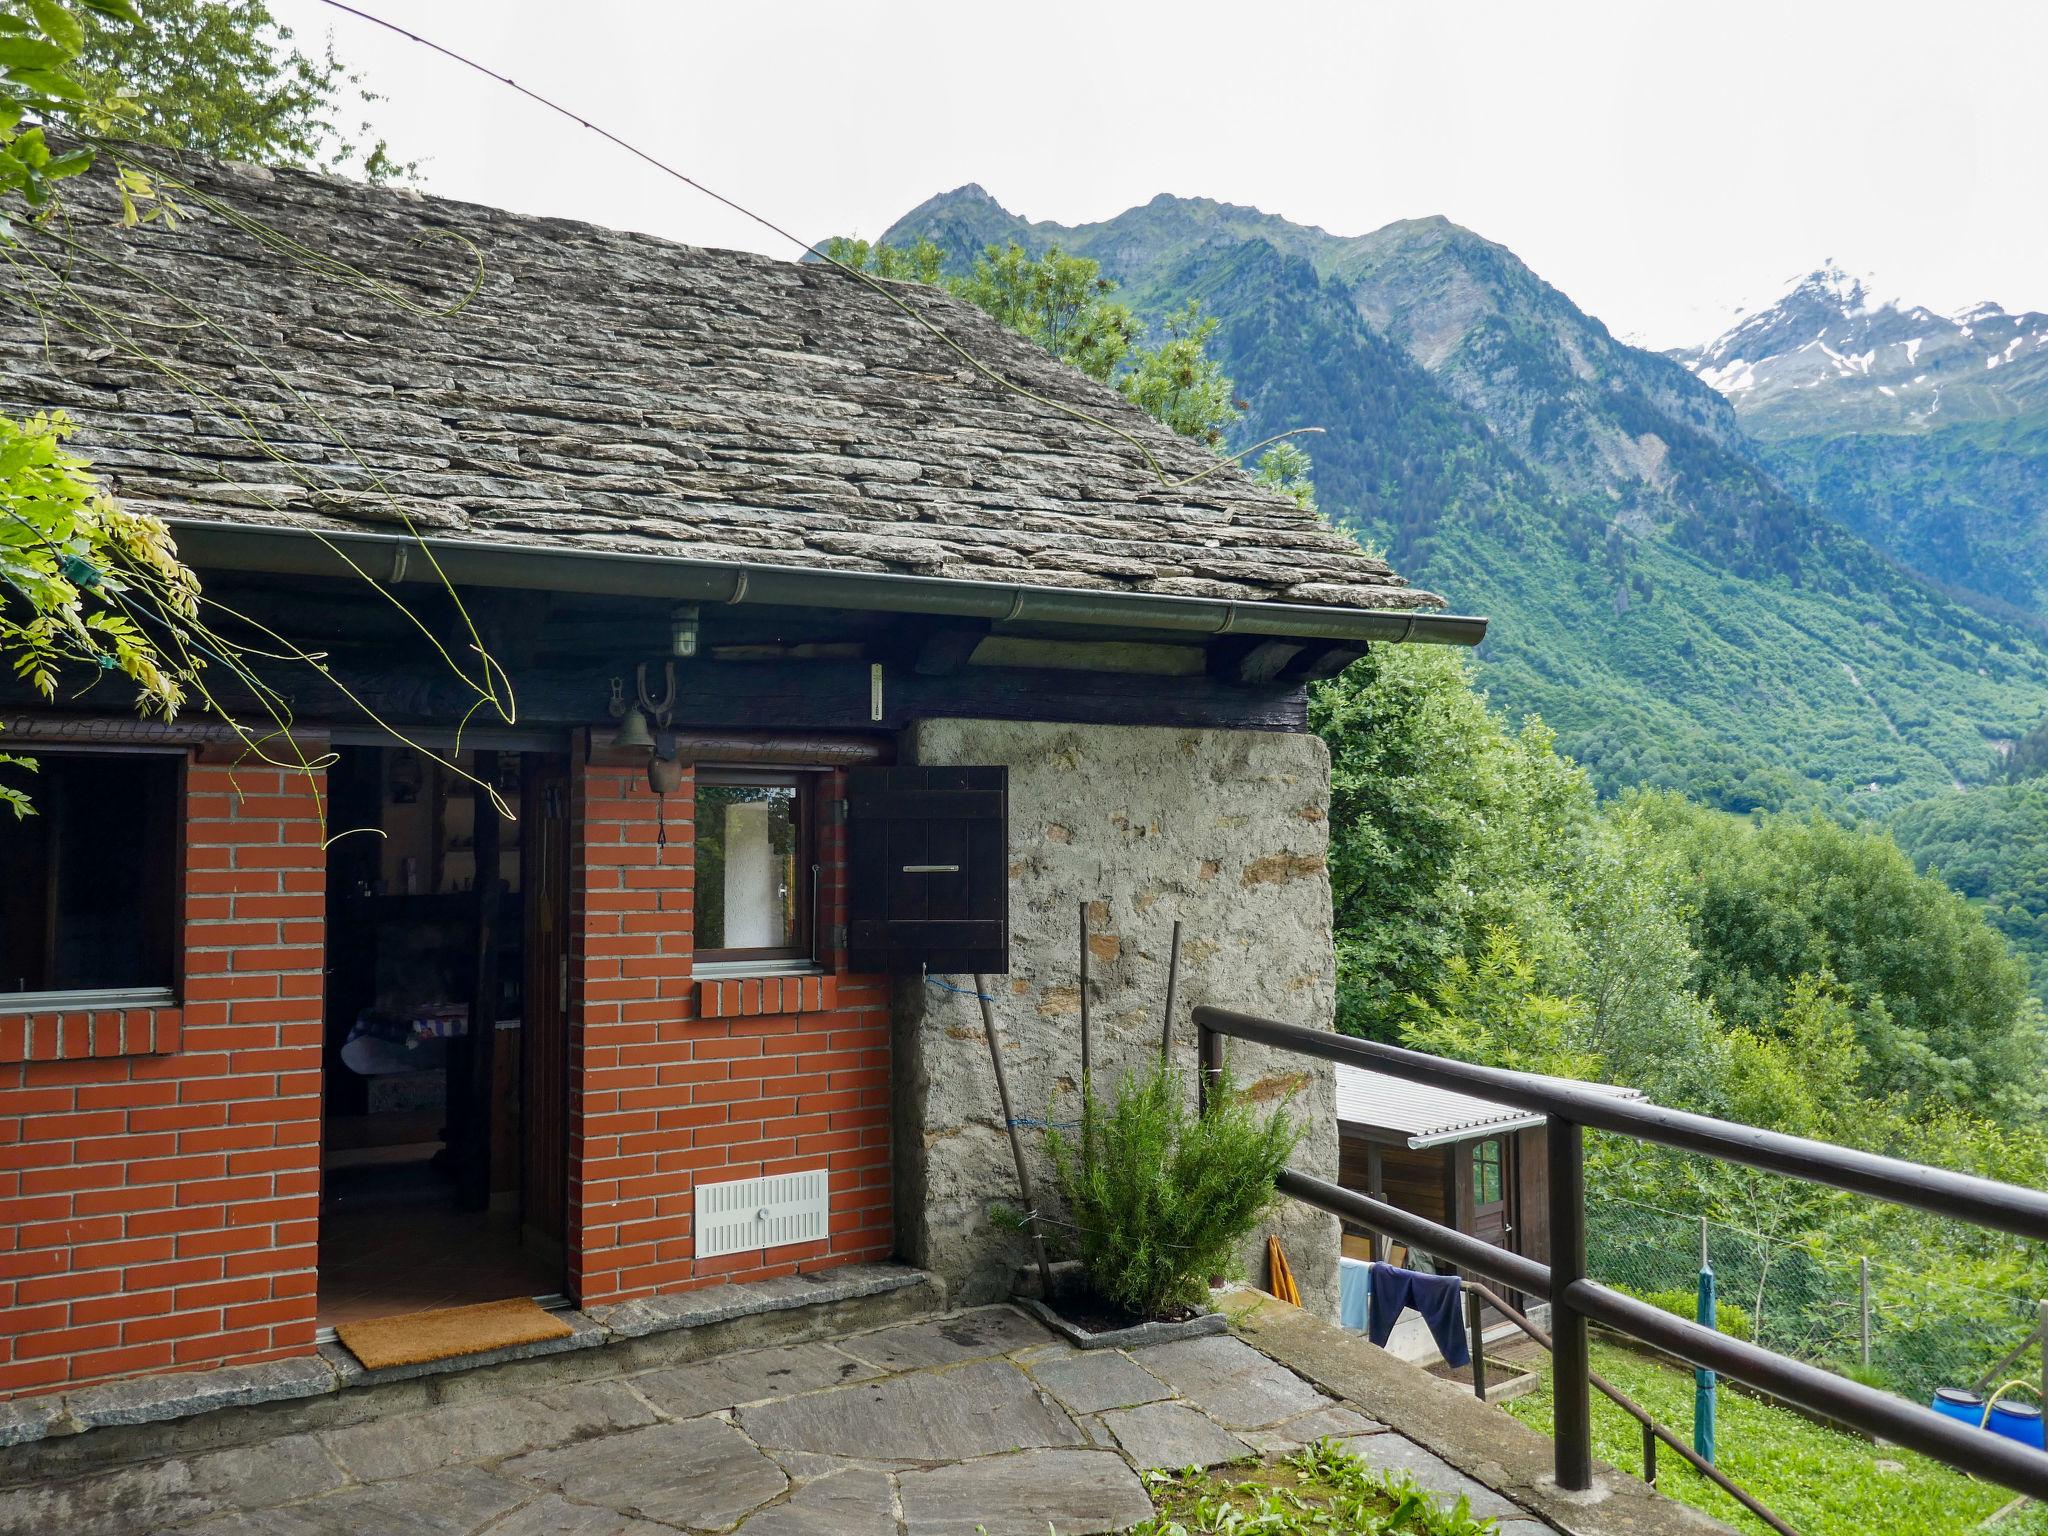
447, 1332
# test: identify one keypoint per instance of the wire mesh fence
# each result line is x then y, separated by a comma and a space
1904, 1329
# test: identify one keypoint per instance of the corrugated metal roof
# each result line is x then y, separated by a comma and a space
1430, 1116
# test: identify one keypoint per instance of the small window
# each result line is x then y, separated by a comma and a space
89, 883
1486, 1181
754, 869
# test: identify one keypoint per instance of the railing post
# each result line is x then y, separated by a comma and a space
1475, 1325
1863, 1310
1650, 1454
1572, 1361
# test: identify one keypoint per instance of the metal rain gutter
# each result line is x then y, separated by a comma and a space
397, 557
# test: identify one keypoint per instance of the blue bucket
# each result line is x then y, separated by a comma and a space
2017, 1421
1956, 1403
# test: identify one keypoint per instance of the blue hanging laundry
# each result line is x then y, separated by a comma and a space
1437, 1297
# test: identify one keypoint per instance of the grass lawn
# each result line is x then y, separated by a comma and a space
1820, 1482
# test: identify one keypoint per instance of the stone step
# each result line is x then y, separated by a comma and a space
143, 1418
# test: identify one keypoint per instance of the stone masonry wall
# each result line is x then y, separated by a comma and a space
1226, 830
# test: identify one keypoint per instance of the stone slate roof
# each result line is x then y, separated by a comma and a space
607, 390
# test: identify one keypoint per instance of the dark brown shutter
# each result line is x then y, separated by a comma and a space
928, 881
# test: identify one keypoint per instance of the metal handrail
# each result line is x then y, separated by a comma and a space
1577, 1301
1653, 1431
1982, 1202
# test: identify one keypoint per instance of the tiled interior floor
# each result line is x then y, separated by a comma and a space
392, 1242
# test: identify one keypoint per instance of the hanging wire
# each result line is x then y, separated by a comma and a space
877, 284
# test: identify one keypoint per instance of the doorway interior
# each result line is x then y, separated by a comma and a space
443, 1153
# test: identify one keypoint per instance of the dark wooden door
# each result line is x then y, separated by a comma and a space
1492, 1191
544, 1045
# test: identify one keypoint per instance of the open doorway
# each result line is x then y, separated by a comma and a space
444, 1156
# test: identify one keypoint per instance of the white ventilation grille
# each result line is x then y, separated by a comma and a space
761, 1213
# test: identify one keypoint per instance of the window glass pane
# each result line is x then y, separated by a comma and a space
747, 878
88, 896
1486, 1173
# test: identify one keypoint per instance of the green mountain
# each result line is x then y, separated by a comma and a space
1675, 613
1926, 434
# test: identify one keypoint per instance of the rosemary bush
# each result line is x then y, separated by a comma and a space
1161, 1196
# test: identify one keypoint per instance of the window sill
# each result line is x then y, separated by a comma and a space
724, 970
82, 1026
756, 994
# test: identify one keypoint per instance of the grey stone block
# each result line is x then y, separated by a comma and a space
405, 1444
1231, 1382
1323, 1424
1444, 1482
685, 1391
556, 1516
851, 1503
1092, 1381
942, 1340
976, 1409
179, 1394
455, 1502
29, 1418
723, 1303
1077, 1493
702, 1475
1173, 1435
173, 1492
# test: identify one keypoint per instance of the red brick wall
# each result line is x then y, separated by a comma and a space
160, 1184
662, 1094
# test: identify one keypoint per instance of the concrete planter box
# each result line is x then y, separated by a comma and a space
1067, 1280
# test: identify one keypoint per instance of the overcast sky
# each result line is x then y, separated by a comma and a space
1661, 163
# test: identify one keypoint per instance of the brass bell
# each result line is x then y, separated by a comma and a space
633, 732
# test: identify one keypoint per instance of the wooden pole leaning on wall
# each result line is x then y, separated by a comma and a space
1087, 1031
1172, 995
995, 1056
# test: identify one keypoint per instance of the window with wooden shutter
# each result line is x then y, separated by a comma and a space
928, 881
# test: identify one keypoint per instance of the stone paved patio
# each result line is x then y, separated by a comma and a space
974, 1420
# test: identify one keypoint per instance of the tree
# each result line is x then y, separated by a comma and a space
80, 575
222, 77
921, 262
1178, 382
1062, 302
1286, 468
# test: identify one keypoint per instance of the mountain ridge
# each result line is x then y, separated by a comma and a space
1924, 433
1660, 594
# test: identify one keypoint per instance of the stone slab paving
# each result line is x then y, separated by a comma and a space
977, 1421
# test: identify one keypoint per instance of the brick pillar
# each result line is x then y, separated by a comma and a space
630, 1066
674, 1079
160, 1168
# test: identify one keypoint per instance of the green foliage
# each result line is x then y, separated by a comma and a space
1941, 1006
76, 567
1180, 384
70, 558
40, 42
1729, 1318
1822, 1482
1161, 1196
222, 77
1991, 845
920, 262
1061, 302
1286, 468
1321, 1490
